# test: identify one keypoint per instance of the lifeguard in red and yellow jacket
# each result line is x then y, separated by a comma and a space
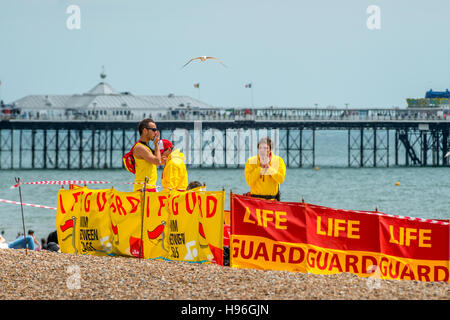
265, 172
147, 159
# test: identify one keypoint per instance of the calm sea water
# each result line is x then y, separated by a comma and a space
423, 192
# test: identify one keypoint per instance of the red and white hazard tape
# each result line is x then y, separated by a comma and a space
27, 204
63, 182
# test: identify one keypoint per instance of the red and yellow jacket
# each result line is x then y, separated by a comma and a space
175, 174
265, 181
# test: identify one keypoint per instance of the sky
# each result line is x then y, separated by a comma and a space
295, 53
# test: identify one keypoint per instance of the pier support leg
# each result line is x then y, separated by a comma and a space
45, 149
445, 145
33, 143
361, 149
80, 149
374, 147
396, 147
20, 148
56, 149
301, 149
68, 149
424, 148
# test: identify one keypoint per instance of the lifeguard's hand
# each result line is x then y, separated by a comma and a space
264, 161
157, 137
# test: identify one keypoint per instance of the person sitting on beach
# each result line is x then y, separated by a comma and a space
43, 244
37, 245
3, 242
30, 242
194, 185
52, 242
265, 172
174, 175
52, 237
146, 159
52, 246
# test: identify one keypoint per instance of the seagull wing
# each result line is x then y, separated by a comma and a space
189, 62
447, 154
217, 60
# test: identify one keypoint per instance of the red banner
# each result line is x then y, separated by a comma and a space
309, 238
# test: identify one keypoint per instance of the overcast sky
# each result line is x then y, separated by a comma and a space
295, 53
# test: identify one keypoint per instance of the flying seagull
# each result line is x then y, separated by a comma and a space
447, 154
203, 58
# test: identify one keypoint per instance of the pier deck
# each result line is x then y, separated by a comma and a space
421, 138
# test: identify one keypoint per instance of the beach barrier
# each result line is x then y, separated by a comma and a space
294, 236
302, 237
172, 225
70, 182
27, 204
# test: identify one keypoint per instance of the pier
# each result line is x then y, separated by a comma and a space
226, 137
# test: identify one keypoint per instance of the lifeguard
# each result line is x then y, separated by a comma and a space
265, 172
146, 159
174, 175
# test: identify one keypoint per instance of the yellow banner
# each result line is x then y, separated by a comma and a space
195, 230
182, 226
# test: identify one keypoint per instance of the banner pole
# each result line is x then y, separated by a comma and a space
142, 219
23, 219
74, 222
231, 210
231, 225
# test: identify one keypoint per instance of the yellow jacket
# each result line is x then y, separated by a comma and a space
264, 181
144, 169
175, 175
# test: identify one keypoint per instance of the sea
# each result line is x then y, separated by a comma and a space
422, 192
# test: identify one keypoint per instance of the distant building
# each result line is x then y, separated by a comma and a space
103, 103
437, 94
433, 99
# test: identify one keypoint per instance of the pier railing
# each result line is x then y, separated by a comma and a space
233, 114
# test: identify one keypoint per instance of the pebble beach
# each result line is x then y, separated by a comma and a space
46, 275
